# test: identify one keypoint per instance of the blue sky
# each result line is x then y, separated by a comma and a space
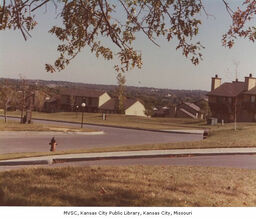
163, 67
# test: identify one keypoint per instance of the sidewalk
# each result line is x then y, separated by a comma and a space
126, 154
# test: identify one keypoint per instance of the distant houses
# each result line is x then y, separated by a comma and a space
189, 110
234, 100
183, 110
131, 107
41, 98
72, 98
95, 101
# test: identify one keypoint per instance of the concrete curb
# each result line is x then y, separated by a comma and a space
32, 162
42, 133
115, 126
125, 155
65, 160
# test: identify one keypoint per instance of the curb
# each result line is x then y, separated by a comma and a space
65, 160
115, 126
53, 133
51, 161
32, 162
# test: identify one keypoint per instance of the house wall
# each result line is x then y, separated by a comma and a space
137, 109
223, 108
103, 99
89, 101
92, 102
245, 116
248, 111
70, 103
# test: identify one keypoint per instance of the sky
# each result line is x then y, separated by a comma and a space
163, 67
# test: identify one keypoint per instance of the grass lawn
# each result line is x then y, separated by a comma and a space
16, 126
122, 120
128, 186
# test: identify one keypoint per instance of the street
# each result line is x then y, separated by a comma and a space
18, 142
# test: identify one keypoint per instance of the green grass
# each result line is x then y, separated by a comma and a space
128, 186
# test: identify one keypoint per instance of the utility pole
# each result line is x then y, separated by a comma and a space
236, 63
235, 112
23, 100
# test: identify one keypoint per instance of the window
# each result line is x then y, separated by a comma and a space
252, 99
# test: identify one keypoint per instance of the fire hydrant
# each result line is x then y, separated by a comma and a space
53, 145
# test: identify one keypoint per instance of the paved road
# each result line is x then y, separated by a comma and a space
234, 161
14, 142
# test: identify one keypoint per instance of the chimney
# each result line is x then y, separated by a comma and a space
250, 82
216, 82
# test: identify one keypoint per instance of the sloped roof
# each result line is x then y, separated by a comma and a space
228, 89
84, 92
252, 91
112, 104
188, 113
193, 106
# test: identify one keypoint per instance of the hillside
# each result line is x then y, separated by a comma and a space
152, 97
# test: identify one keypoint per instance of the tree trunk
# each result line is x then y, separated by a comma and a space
5, 109
21, 115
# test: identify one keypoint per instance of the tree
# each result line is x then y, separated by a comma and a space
7, 96
25, 95
39, 100
120, 91
204, 107
86, 22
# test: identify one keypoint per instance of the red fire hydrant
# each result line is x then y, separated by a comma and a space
53, 145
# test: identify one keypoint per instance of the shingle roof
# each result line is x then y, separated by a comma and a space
228, 89
112, 104
252, 91
188, 113
193, 106
85, 92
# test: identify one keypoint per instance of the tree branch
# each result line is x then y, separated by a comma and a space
40, 5
141, 27
229, 10
111, 31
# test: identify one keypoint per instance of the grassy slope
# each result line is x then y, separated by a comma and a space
122, 120
128, 186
